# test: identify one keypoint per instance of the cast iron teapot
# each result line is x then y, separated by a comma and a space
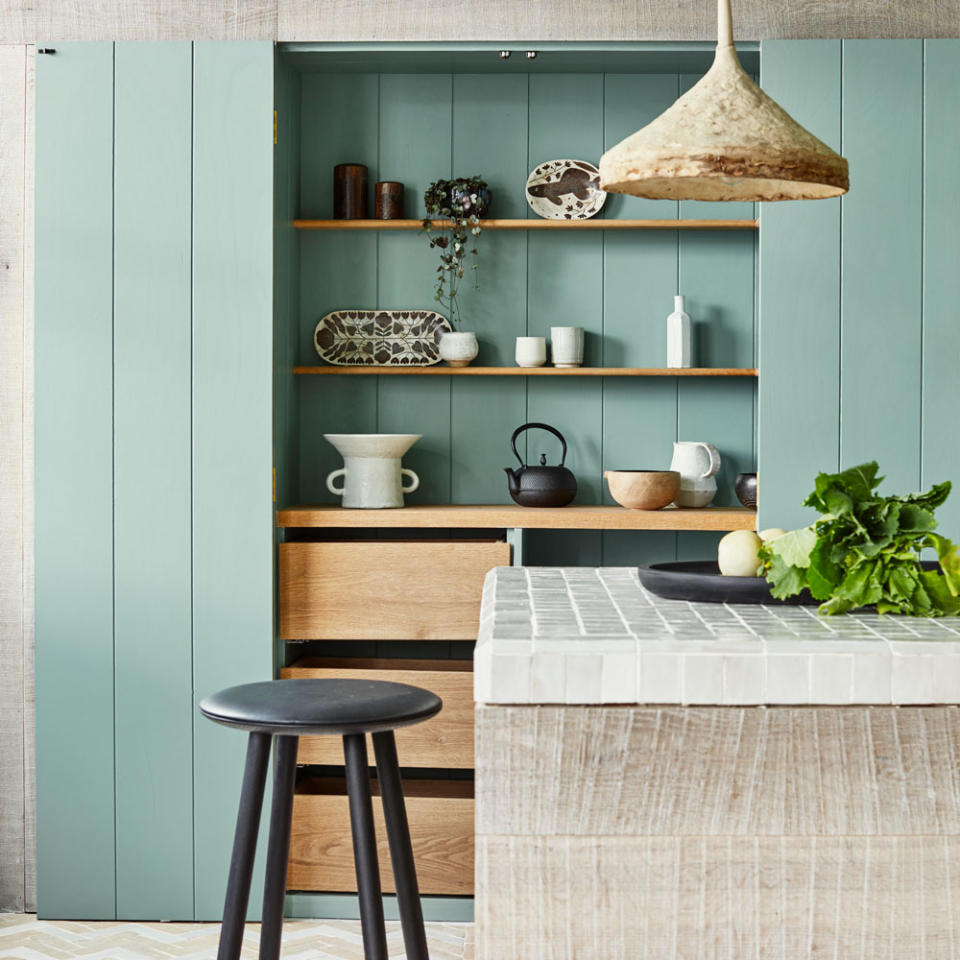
541, 486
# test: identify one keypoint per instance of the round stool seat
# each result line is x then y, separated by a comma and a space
294, 707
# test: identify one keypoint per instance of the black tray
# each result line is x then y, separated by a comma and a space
701, 581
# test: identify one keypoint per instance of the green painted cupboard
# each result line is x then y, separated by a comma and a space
174, 298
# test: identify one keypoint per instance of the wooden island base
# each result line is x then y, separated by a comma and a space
717, 833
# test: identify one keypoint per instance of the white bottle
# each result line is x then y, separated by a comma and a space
678, 336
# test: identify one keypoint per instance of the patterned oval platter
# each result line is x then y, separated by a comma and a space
565, 190
380, 338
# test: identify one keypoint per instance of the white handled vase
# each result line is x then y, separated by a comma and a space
371, 472
697, 463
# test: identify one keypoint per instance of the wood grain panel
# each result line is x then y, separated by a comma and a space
384, 590
741, 772
491, 516
446, 741
74, 483
233, 570
799, 422
14, 638
941, 279
880, 350
441, 829
717, 897
151, 454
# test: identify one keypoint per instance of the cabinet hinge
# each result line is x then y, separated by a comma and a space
274, 127
274, 484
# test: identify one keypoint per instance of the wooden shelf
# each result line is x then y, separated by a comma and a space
503, 516
442, 371
534, 224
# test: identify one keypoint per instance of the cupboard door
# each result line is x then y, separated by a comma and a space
74, 482
151, 444
233, 532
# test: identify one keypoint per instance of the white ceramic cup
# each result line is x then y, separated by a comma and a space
566, 346
531, 351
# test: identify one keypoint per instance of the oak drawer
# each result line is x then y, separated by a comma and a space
445, 741
385, 590
440, 813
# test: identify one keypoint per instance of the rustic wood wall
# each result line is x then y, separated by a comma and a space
53, 20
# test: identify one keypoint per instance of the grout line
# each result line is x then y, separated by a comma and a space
113, 441
193, 685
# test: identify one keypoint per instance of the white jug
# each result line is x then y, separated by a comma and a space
697, 463
372, 475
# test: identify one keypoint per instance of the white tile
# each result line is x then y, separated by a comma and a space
619, 681
583, 679
911, 678
831, 678
871, 677
946, 680
660, 677
547, 672
743, 679
788, 678
702, 678
509, 679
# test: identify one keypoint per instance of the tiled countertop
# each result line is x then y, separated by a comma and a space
594, 635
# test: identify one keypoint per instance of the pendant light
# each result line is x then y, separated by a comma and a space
724, 139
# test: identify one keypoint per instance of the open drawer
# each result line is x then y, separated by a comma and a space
443, 742
440, 813
385, 590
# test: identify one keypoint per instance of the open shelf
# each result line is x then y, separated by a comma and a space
534, 224
503, 516
439, 371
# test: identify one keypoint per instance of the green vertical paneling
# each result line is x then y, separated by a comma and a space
415, 148
74, 482
799, 348
490, 116
338, 116
287, 340
565, 288
881, 246
232, 422
941, 277
151, 450
718, 281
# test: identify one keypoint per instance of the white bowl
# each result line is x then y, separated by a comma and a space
372, 445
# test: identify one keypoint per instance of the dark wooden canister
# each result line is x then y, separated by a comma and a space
350, 191
388, 200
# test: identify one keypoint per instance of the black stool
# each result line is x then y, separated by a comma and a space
286, 709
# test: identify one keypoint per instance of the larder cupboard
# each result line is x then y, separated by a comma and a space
175, 298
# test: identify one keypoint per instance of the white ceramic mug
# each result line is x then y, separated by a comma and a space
531, 351
566, 346
697, 463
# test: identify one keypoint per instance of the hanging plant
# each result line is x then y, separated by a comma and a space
462, 202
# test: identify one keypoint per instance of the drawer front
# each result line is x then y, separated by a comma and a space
443, 742
384, 590
441, 830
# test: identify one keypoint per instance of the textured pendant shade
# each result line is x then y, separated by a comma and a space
724, 139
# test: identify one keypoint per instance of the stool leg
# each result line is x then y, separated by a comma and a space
401, 850
278, 849
244, 847
365, 847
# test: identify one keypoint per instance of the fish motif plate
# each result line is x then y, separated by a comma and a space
565, 190
381, 338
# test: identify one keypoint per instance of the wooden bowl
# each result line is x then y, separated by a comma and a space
643, 489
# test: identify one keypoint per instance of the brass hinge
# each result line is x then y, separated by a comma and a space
274, 484
274, 127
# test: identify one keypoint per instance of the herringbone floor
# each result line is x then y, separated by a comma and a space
23, 937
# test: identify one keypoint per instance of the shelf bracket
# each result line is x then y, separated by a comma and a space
515, 538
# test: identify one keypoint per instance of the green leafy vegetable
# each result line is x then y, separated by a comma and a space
865, 549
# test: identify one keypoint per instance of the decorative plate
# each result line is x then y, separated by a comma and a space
381, 338
701, 581
565, 190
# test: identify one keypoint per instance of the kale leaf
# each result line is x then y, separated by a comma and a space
865, 549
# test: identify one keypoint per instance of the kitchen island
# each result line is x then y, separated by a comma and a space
657, 779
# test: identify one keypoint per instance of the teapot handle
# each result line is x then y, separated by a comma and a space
541, 426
